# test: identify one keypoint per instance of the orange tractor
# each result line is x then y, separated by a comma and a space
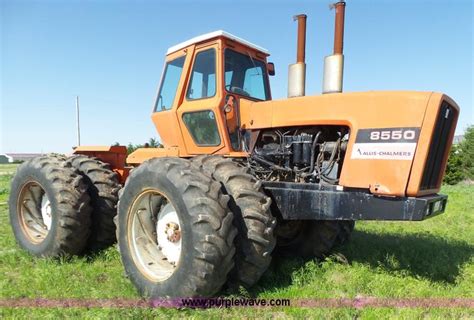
241, 177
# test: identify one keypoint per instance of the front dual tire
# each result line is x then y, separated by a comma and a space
255, 223
176, 235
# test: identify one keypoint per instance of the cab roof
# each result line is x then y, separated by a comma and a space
215, 34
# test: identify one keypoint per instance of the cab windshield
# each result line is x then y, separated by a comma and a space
245, 75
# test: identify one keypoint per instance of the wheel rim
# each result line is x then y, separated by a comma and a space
46, 211
34, 211
154, 233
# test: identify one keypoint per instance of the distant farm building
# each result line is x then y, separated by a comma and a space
5, 159
17, 157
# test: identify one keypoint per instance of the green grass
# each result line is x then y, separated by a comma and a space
433, 258
8, 168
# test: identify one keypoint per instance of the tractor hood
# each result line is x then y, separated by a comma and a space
387, 165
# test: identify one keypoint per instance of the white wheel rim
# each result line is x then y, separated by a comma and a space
46, 211
34, 212
171, 249
154, 235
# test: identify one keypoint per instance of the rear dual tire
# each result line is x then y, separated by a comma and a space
102, 187
49, 208
63, 206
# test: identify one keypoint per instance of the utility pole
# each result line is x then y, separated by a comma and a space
78, 125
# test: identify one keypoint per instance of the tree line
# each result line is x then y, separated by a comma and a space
461, 159
151, 143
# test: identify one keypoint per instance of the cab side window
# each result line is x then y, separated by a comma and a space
203, 77
169, 85
254, 83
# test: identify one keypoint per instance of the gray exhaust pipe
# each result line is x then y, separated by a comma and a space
297, 71
334, 64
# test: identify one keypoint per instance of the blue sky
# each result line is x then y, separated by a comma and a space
111, 53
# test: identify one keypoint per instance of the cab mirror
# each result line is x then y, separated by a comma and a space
231, 114
271, 68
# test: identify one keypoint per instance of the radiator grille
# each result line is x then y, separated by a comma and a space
439, 143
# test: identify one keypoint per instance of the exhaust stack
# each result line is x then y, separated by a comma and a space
334, 64
297, 71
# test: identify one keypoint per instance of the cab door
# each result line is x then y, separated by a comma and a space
201, 114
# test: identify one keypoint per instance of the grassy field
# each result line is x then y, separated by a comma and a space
426, 259
8, 169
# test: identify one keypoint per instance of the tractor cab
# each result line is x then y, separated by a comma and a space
196, 109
